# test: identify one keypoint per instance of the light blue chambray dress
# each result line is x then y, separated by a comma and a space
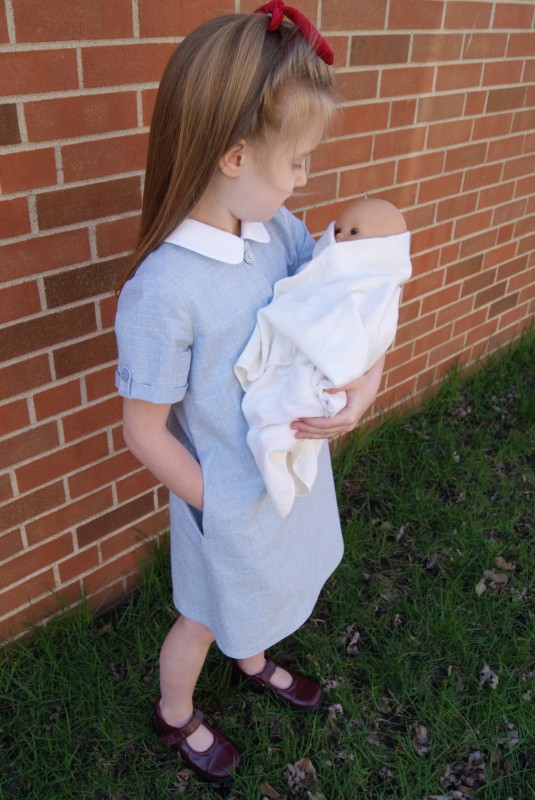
182, 321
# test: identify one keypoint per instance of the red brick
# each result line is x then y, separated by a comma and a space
523, 279
474, 223
405, 371
436, 47
353, 15
491, 126
425, 262
483, 241
4, 33
431, 238
361, 85
69, 515
437, 188
342, 152
46, 331
361, 119
6, 492
496, 72
100, 383
485, 45
505, 233
117, 518
84, 355
104, 157
419, 166
124, 540
14, 218
454, 312
523, 121
416, 15
446, 134
340, 47
475, 103
468, 15
101, 474
464, 269
513, 15
135, 484
57, 464
439, 107
406, 80
118, 236
10, 544
80, 562
524, 226
41, 253
521, 44
24, 376
482, 176
382, 49
495, 194
458, 76
394, 143
435, 338
470, 322
148, 98
108, 311
13, 417
504, 99
506, 148
112, 571
83, 282
57, 399
526, 245
80, 203
449, 253
467, 156
21, 622
31, 443
505, 304
18, 301
490, 294
33, 560
34, 71
178, 19
366, 179
83, 115
525, 187
417, 287
420, 217
124, 64
509, 211
438, 300
27, 170
517, 167
400, 196
513, 267
9, 124
23, 593
402, 113
65, 20
92, 418
459, 206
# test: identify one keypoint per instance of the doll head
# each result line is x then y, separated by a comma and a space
362, 219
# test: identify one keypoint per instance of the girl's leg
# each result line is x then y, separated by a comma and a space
182, 657
255, 664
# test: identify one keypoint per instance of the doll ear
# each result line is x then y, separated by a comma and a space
231, 162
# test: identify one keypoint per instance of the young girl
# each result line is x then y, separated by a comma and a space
244, 100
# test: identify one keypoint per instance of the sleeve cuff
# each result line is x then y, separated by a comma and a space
128, 387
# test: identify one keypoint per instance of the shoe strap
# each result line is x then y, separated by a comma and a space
177, 735
267, 672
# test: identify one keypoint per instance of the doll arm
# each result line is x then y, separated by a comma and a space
149, 440
360, 395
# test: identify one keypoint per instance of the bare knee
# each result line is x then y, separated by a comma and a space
196, 630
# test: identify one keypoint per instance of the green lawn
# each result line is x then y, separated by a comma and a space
424, 637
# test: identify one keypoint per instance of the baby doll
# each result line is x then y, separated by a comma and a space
325, 327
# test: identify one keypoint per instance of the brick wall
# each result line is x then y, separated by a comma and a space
436, 97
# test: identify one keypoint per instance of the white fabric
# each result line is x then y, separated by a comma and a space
325, 327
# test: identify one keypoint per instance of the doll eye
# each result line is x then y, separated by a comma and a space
337, 231
354, 231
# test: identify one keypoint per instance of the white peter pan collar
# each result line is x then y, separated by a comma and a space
215, 243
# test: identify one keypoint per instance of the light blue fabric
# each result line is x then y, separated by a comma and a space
182, 321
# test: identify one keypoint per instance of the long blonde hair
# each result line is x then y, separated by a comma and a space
224, 82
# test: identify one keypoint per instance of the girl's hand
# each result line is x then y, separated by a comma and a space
360, 395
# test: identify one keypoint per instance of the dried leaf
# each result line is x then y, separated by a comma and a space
269, 792
302, 772
496, 577
421, 740
481, 587
333, 713
502, 564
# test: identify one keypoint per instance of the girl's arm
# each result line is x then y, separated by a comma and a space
360, 395
147, 437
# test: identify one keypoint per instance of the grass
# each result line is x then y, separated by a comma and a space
429, 683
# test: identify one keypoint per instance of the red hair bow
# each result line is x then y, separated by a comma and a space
277, 11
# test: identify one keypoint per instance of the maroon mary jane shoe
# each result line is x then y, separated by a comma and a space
302, 694
217, 763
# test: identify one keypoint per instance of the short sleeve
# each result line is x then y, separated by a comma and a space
303, 241
154, 338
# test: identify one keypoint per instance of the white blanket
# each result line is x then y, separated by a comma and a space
324, 327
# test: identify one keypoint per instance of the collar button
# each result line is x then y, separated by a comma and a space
248, 257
